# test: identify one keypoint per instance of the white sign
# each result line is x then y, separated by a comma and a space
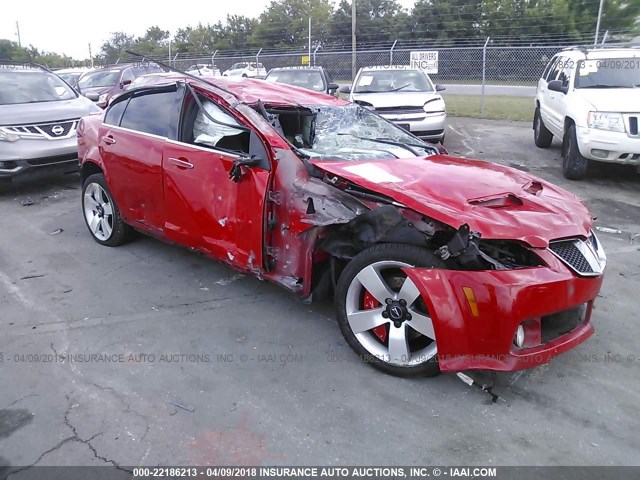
426, 60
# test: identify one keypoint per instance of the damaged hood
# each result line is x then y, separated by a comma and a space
499, 202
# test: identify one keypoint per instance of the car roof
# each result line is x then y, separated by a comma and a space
389, 67
595, 53
300, 67
249, 90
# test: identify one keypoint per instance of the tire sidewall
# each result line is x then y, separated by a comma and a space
119, 229
383, 252
574, 165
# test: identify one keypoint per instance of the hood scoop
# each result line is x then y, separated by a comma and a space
498, 201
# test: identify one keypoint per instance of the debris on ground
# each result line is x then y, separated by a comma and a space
32, 276
608, 230
188, 408
485, 388
56, 231
27, 202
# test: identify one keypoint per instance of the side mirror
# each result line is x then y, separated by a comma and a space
558, 86
332, 88
440, 88
125, 83
346, 89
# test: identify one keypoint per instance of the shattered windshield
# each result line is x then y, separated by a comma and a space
352, 133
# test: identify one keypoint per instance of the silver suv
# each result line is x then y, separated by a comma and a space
39, 113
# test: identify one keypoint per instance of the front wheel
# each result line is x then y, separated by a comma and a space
541, 135
574, 165
101, 214
381, 313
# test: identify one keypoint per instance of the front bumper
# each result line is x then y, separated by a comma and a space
428, 126
505, 299
620, 147
28, 156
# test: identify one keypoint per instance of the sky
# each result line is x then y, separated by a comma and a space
69, 27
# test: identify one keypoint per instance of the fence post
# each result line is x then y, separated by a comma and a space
174, 59
391, 53
604, 38
314, 54
484, 70
213, 59
258, 57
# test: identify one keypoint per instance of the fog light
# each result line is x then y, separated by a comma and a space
596, 152
518, 339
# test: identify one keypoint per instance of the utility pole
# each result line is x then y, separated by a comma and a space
595, 40
90, 55
18, 30
169, 51
353, 40
309, 57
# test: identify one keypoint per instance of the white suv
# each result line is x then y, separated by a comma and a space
246, 69
591, 100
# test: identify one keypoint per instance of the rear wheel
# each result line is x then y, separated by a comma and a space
101, 214
381, 313
574, 165
541, 135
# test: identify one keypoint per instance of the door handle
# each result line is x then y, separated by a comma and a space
109, 140
183, 164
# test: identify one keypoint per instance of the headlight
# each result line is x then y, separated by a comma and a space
433, 106
103, 98
8, 136
606, 121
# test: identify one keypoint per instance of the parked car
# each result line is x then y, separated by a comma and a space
102, 84
72, 75
204, 70
435, 262
590, 100
39, 114
314, 78
246, 69
406, 96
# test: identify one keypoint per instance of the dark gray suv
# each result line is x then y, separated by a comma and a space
39, 114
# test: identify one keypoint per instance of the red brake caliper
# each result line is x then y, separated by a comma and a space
370, 303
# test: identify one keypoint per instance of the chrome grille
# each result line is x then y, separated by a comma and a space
51, 131
585, 257
631, 121
569, 252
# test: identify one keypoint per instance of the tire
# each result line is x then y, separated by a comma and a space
106, 228
541, 135
396, 347
574, 165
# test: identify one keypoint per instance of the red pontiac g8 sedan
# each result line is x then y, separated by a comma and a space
436, 263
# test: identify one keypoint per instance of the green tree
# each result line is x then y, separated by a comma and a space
285, 23
376, 21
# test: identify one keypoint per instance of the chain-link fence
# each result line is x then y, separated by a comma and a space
501, 65
498, 61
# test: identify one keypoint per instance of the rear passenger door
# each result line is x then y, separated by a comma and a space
132, 140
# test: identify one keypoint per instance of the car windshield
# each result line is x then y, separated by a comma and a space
239, 65
608, 73
311, 79
352, 132
106, 78
32, 87
70, 78
379, 81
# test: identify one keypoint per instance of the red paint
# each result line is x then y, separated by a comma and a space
369, 302
203, 210
442, 188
